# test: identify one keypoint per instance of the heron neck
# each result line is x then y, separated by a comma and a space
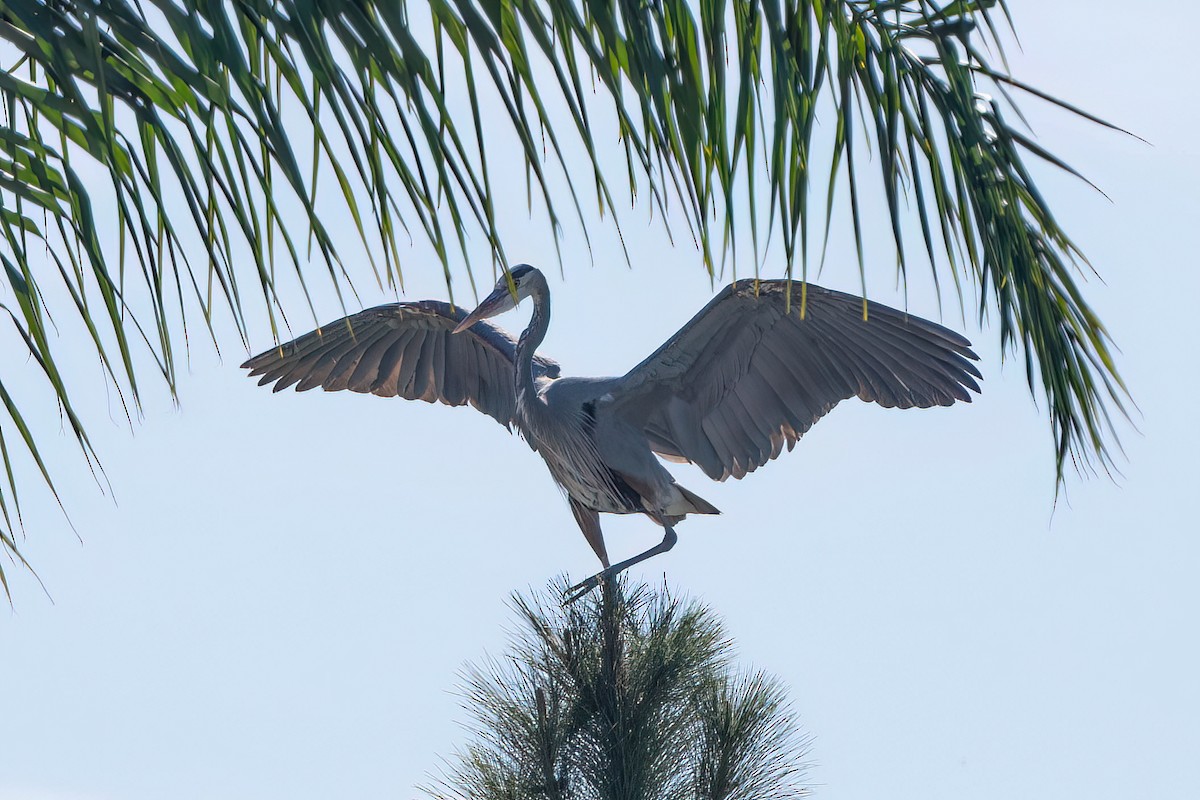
531, 338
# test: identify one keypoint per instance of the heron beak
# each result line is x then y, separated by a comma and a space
470, 320
494, 304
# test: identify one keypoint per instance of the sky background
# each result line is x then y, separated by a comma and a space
278, 596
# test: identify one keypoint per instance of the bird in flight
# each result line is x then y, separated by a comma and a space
746, 377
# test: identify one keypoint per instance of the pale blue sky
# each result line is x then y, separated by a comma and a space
278, 601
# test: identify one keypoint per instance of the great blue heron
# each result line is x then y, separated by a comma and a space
752, 372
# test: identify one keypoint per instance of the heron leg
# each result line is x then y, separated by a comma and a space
580, 589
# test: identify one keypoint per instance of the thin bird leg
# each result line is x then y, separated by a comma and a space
580, 589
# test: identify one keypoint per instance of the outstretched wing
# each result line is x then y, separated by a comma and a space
404, 350
748, 375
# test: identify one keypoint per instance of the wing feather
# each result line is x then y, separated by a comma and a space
346, 366
430, 366
797, 392
753, 416
873, 378
716, 427
683, 433
748, 375
323, 363
405, 350
453, 387
369, 359
740, 437
391, 362
772, 404
918, 364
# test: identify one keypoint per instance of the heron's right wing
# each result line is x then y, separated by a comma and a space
750, 374
404, 350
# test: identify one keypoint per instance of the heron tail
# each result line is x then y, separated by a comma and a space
696, 503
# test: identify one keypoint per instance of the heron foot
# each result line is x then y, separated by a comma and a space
580, 589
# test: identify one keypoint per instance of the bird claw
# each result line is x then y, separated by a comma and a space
580, 589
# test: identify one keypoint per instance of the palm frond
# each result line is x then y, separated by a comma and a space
210, 124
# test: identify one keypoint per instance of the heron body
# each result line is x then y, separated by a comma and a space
746, 377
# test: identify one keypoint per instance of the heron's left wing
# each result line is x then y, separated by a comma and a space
404, 350
750, 375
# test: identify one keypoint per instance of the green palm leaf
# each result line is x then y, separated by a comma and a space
189, 109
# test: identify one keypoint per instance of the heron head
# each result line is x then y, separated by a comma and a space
505, 296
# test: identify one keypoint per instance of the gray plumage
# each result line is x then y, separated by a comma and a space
746, 377
403, 350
